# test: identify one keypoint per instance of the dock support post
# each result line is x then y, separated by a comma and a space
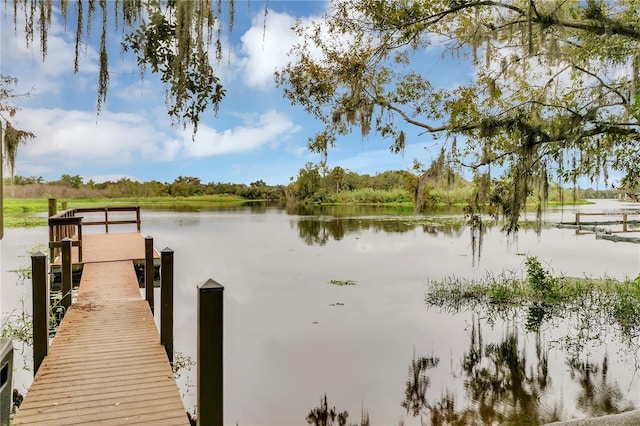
53, 206
40, 300
148, 271
67, 273
209, 362
166, 301
624, 222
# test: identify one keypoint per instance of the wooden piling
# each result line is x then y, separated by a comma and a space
166, 301
53, 206
209, 362
66, 273
40, 300
148, 271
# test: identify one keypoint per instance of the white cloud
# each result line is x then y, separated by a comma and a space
268, 129
266, 45
75, 138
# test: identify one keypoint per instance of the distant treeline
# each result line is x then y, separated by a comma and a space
182, 186
313, 184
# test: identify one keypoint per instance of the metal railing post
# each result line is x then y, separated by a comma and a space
209, 362
40, 300
67, 273
148, 271
166, 301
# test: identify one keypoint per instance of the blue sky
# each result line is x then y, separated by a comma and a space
256, 135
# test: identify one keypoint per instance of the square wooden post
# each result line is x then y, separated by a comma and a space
209, 362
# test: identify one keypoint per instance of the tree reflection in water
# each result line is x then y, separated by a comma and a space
497, 384
597, 397
415, 399
501, 386
325, 416
318, 231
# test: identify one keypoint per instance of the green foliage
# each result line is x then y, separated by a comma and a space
372, 196
424, 187
539, 278
173, 42
18, 325
542, 104
545, 296
309, 183
69, 181
13, 137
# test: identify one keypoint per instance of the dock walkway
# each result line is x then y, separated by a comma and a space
106, 365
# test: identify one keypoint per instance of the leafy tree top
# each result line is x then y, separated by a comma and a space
556, 86
171, 38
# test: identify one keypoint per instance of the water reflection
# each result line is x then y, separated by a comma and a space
597, 397
318, 231
325, 416
501, 387
415, 395
503, 382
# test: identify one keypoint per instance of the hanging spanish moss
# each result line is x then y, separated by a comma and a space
170, 38
12, 139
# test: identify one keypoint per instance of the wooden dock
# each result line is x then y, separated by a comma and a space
106, 365
616, 225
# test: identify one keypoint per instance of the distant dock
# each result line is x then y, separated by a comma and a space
614, 225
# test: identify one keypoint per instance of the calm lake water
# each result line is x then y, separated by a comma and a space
291, 337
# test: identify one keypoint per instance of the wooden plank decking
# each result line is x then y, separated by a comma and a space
106, 365
110, 247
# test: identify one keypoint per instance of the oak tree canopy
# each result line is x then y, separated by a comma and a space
555, 92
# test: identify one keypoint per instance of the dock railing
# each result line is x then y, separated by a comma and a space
68, 224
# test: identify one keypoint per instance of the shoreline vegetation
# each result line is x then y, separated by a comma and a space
25, 198
540, 298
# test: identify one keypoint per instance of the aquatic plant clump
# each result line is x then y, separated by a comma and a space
543, 297
341, 283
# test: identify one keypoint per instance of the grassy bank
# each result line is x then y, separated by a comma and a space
27, 212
